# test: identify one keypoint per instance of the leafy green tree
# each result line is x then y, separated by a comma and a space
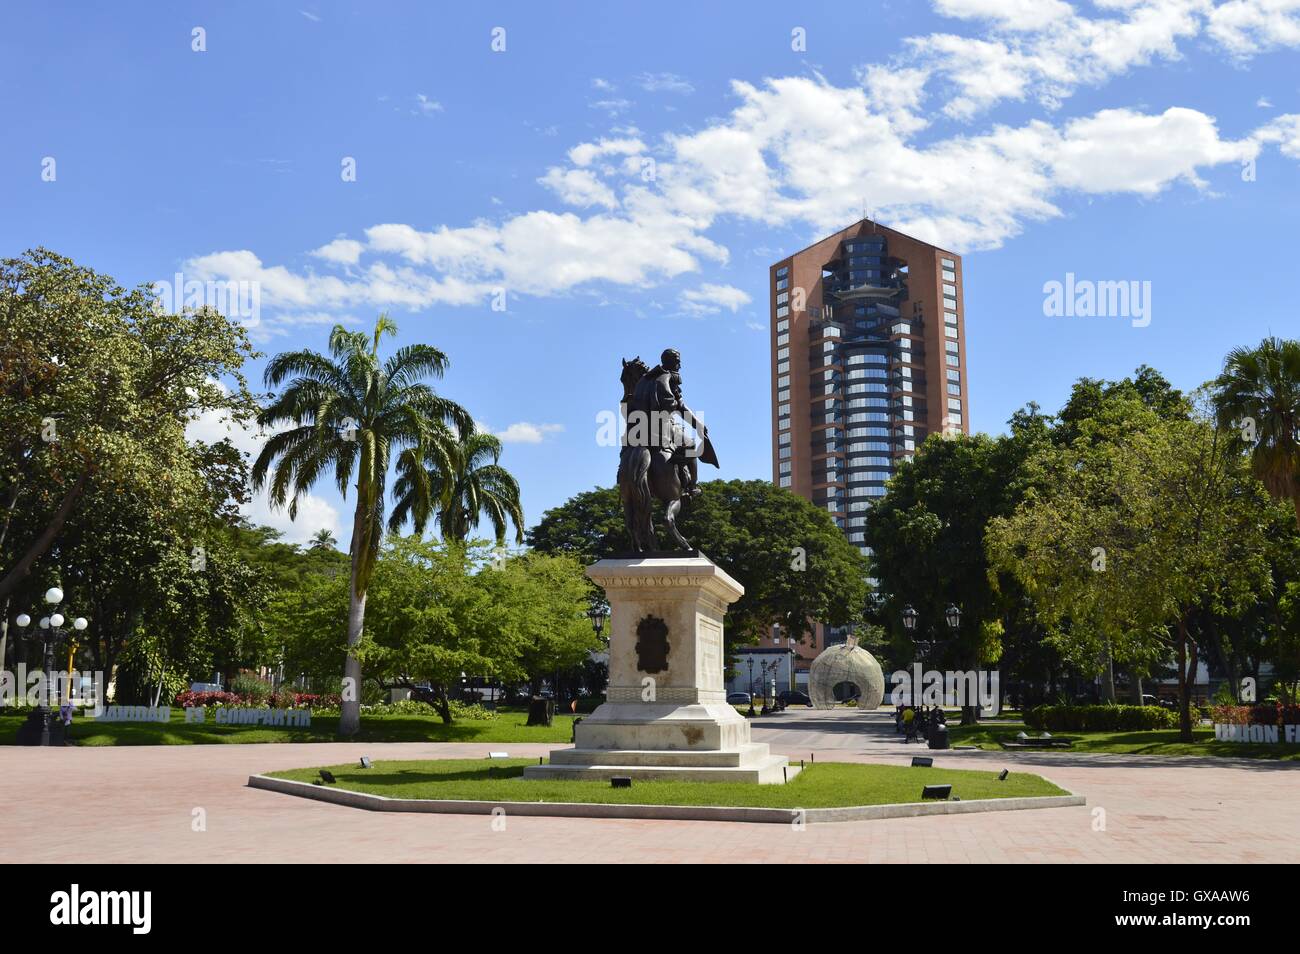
795, 565
1093, 400
539, 601
588, 526
927, 539
285, 565
1258, 396
1129, 541
96, 384
353, 413
307, 622
474, 485
433, 620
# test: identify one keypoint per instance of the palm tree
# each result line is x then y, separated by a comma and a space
351, 412
474, 485
322, 539
1262, 385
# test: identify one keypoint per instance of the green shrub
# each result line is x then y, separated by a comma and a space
471, 711
256, 692
408, 707
1062, 718
459, 710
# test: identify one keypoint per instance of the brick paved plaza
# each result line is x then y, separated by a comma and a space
135, 804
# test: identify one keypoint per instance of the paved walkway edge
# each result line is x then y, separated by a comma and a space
783, 816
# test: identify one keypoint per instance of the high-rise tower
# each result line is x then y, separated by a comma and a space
868, 358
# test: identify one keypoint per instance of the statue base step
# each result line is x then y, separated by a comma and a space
675, 767
706, 742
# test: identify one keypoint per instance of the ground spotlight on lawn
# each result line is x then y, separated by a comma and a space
921, 761
365, 761
327, 777
939, 792
620, 781
1002, 776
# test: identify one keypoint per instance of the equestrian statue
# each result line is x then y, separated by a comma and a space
658, 460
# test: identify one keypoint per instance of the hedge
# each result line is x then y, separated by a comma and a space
1100, 718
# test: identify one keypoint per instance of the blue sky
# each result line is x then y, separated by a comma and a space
696, 145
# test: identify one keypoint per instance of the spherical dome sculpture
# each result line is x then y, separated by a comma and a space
847, 663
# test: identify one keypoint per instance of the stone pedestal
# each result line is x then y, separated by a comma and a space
666, 714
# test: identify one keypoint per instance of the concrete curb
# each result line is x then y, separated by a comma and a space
783, 816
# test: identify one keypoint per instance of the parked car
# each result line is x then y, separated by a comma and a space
793, 697
738, 698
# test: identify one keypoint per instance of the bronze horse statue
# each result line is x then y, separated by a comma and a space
657, 459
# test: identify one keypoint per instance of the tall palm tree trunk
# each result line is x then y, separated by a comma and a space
350, 708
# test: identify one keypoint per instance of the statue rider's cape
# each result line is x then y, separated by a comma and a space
659, 395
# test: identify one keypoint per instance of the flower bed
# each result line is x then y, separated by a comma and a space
1265, 713
279, 700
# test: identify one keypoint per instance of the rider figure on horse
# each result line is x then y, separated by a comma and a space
655, 400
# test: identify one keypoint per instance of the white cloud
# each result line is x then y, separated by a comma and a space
343, 251
799, 152
1010, 14
579, 187
613, 107
1284, 132
709, 299
424, 106
665, 83
523, 432
1045, 49
1247, 27
285, 294
584, 154
1118, 150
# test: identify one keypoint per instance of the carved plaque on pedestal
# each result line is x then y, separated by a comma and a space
652, 645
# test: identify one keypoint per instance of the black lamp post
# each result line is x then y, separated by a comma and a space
951, 615
39, 729
598, 613
910, 617
750, 660
768, 668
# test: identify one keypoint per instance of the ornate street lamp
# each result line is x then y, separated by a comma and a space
39, 728
953, 615
598, 614
923, 647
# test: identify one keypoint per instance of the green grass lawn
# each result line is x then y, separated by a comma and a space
825, 785
507, 727
1148, 742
